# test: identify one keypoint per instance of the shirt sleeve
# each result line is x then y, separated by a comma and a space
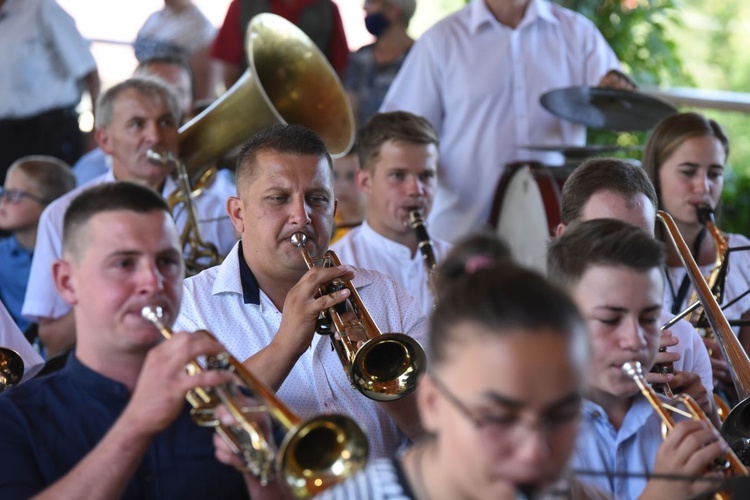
228, 44
42, 299
338, 52
12, 338
72, 49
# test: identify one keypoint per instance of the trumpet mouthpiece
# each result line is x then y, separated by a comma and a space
152, 313
299, 239
632, 368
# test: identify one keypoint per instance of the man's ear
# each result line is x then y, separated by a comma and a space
103, 140
364, 180
560, 230
235, 209
62, 274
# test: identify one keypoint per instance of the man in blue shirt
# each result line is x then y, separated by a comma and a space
114, 422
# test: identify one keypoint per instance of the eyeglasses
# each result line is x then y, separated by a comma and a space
15, 196
496, 428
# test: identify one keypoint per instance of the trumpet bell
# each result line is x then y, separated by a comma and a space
388, 366
288, 80
11, 368
319, 452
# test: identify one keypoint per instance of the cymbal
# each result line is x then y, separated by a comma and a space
606, 108
582, 151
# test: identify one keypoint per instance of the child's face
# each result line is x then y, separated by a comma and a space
621, 307
24, 213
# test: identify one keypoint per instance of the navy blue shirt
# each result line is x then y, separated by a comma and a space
48, 425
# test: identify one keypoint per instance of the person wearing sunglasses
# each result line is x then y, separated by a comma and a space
31, 184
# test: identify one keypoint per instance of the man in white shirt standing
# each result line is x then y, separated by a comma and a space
134, 116
477, 77
398, 157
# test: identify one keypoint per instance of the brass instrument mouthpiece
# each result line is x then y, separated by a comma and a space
299, 240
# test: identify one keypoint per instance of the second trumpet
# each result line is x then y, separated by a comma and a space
387, 366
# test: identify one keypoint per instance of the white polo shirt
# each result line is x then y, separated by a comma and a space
12, 338
366, 248
42, 299
226, 301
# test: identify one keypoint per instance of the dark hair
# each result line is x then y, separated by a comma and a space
608, 242
52, 176
393, 126
283, 139
603, 174
503, 298
149, 85
670, 133
107, 197
479, 249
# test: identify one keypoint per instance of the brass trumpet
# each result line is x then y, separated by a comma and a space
736, 426
315, 453
11, 368
728, 463
386, 367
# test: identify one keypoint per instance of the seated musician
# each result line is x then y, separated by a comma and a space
132, 117
398, 173
114, 423
262, 302
612, 188
685, 158
613, 271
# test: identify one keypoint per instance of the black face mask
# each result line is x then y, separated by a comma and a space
376, 23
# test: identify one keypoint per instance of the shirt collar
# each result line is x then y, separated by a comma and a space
481, 15
15, 248
250, 288
640, 411
93, 380
383, 243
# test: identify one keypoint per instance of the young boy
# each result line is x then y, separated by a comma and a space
350, 210
613, 272
31, 184
398, 173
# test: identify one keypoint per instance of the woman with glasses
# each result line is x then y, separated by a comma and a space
31, 184
501, 399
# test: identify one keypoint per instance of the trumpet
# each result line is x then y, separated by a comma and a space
314, 455
11, 368
426, 248
386, 367
728, 462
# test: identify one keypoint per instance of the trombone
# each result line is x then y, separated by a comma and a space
315, 453
386, 367
728, 462
736, 427
11, 368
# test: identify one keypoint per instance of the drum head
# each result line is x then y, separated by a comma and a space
522, 220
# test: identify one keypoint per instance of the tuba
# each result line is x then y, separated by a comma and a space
728, 463
314, 455
11, 368
736, 426
288, 81
387, 366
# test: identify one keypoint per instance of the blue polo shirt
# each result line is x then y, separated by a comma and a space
15, 264
49, 424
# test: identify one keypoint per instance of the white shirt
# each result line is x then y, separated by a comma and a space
737, 281
187, 29
42, 299
692, 351
43, 60
479, 82
364, 247
12, 338
215, 300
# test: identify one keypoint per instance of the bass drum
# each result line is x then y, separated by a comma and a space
526, 210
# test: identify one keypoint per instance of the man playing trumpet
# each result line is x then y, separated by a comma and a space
262, 302
114, 423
